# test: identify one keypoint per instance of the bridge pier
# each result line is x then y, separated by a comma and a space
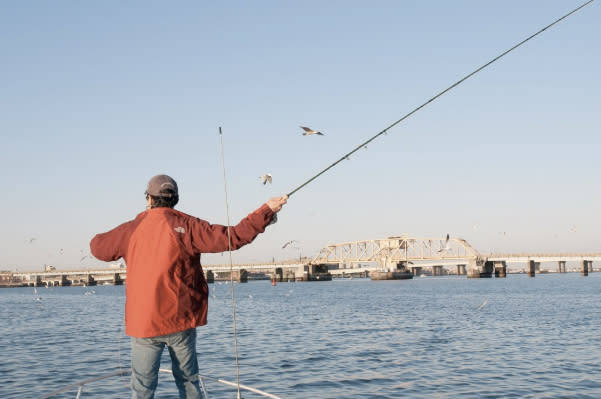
480, 269
461, 270
289, 276
117, 280
437, 270
64, 282
279, 274
590, 266
90, 280
501, 269
319, 273
584, 267
417, 271
530, 268
561, 266
240, 276
210, 277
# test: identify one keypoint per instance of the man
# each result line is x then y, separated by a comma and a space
166, 291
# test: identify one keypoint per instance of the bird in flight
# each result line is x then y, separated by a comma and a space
446, 246
309, 131
483, 304
288, 243
266, 178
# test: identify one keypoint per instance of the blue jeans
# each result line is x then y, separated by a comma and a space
146, 358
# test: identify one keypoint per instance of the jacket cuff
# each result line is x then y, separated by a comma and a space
267, 213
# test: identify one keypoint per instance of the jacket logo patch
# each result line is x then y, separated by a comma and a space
179, 229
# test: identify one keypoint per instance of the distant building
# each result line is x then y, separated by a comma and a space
118, 265
48, 268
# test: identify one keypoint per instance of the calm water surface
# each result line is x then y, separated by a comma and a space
430, 337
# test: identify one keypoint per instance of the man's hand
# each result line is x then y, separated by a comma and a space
276, 203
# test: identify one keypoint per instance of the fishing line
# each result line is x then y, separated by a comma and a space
229, 244
121, 371
384, 131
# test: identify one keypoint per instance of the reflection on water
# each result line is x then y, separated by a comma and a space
444, 337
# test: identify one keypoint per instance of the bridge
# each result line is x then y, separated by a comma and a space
51, 278
413, 253
361, 258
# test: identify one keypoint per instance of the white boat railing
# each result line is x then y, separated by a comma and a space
80, 384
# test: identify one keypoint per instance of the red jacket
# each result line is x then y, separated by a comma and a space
166, 291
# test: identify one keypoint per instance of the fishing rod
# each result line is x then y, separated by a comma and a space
229, 244
384, 131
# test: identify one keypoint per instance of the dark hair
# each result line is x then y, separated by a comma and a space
168, 199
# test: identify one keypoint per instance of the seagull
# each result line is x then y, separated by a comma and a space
265, 178
309, 131
288, 243
483, 304
446, 245
31, 239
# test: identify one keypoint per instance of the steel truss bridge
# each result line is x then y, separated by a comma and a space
393, 250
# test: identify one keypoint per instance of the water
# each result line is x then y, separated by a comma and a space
430, 337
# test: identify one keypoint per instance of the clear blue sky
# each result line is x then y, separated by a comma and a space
97, 97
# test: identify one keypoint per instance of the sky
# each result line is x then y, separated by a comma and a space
97, 97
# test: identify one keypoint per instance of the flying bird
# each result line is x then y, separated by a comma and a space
309, 131
266, 178
35, 292
483, 304
288, 243
446, 246
31, 239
